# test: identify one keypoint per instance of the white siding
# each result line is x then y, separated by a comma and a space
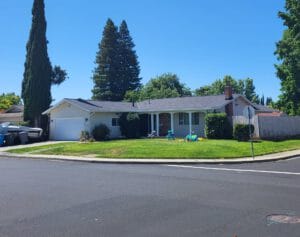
74, 120
238, 106
105, 118
67, 110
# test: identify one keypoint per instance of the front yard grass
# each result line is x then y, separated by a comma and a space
162, 148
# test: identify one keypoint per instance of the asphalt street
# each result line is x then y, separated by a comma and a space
68, 199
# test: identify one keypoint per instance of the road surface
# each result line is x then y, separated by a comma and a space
69, 199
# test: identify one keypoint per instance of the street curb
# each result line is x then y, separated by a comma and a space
266, 158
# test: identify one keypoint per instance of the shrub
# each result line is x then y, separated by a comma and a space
84, 136
101, 132
130, 125
217, 126
241, 132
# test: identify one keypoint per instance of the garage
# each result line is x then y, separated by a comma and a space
66, 129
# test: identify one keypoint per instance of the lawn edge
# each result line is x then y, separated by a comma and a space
264, 158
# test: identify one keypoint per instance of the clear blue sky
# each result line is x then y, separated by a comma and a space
198, 40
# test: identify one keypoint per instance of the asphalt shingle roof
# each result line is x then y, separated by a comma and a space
155, 105
262, 108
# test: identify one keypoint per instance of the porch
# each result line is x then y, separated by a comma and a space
181, 123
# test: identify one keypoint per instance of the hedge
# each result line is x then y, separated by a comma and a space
217, 126
130, 125
241, 132
101, 132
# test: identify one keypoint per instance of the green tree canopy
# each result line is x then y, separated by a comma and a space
288, 53
249, 91
244, 87
9, 99
164, 86
218, 87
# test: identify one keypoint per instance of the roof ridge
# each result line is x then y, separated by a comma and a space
87, 102
181, 97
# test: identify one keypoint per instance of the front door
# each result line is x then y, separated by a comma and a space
164, 124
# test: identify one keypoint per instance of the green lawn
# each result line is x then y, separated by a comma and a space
162, 148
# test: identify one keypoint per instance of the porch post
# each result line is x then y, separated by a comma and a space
157, 124
172, 121
190, 122
152, 122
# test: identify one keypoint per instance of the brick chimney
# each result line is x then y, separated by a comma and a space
228, 92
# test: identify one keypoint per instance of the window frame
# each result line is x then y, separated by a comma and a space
115, 122
183, 119
196, 118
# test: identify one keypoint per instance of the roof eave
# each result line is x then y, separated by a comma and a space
48, 111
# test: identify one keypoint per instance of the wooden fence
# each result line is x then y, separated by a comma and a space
270, 127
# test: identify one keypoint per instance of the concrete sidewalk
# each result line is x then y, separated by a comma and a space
5, 148
264, 158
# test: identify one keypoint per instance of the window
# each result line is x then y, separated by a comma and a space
183, 119
115, 122
195, 118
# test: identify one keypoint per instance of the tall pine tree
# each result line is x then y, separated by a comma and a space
36, 83
129, 68
106, 75
117, 68
288, 52
250, 91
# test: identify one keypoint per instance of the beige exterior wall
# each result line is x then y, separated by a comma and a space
90, 119
105, 118
67, 110
69, 113
239, 106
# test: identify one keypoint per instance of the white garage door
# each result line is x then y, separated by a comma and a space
66, 129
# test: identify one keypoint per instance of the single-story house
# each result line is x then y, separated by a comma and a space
13, 115
183, 115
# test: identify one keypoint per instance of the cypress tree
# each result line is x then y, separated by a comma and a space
269, 101
36, 83
129, 68
262, 100
106, 74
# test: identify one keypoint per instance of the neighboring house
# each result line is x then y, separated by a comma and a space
182, 115
13, 115
262, 110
